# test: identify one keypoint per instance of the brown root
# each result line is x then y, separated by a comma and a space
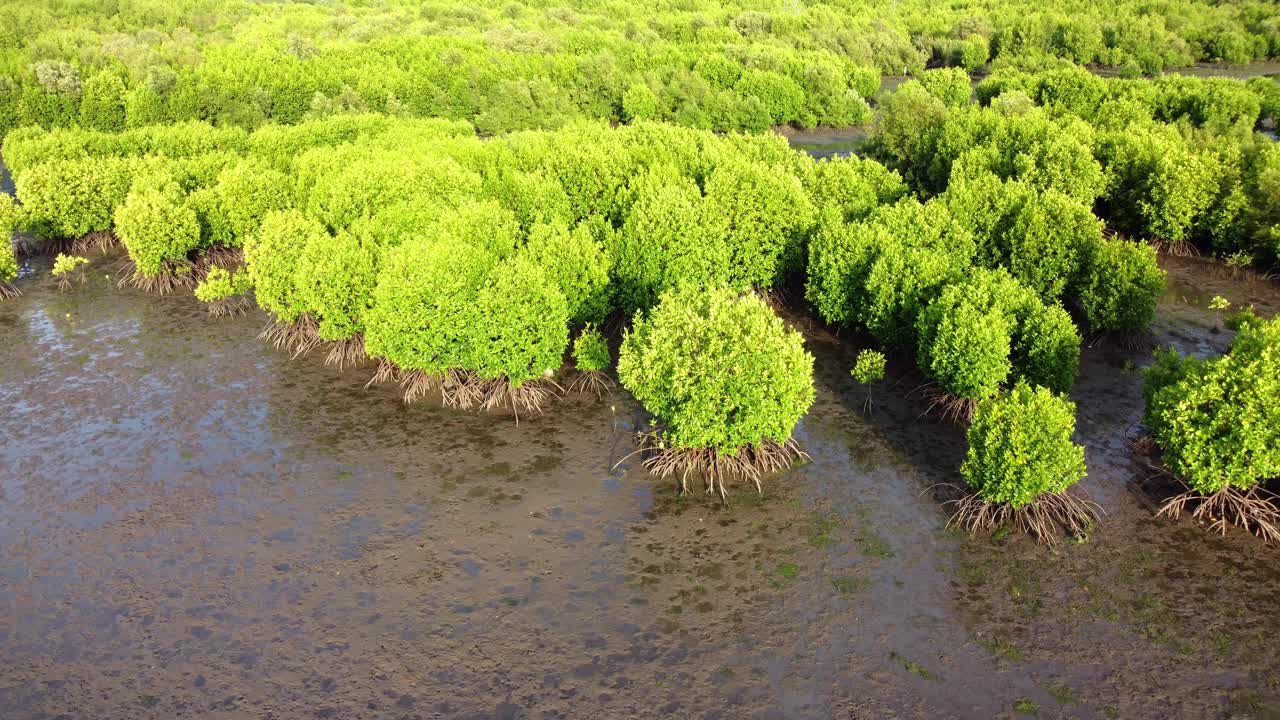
230, 306
1176, 248
297, 338
460, 389
414, 383
1254, 510
384, 373
347, 352
499, 393
64, 283
8, 291
950, 408
175, 275
749, 464
101, 240
592, 381
219, 256
1045, 518
25, 246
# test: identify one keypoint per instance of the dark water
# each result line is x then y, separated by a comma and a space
195, 526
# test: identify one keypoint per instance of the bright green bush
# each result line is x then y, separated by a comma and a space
221, 283
719, 370
64, 264
950, 85
9, 218
639, 103
590, 351
768, 214
670, 235
334, 281
1046, 348
1020, 447
246, 192
521, 328
868, 367
1047, 241
426, 304
272, 256
1120, 286
102, 102
70, 198
966, 337
857, 186
576, 264
1217, 421
157, 228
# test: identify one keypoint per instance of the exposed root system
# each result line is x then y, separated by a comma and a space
297, 338
102, 241
1176, 248
25, 246
348, 352
1132, 341
229, 306
1046, 518
384, 373
464, 390
415, 384
749, 464
947, 406
227, 258
175, 275
592, 381
8, 292
1254, 510
499, 393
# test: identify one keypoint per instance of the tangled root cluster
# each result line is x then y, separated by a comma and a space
1176, 248
102, 241
950, 408
592, 381
297, 338
465, 390
174, 275
1046, 518
749, 464
227, 258
230, 306
8, 292
1254, 510
347, 352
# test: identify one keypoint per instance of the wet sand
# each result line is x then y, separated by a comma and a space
196, 526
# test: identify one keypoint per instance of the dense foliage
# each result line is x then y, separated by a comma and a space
718, 369
1217, 421
1020, 447
590, 351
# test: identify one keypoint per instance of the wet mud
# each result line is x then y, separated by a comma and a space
194, 525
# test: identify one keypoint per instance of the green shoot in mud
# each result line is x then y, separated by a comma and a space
67, 266
868, 367
591, 359
1217, 426
728, 382
1021, 464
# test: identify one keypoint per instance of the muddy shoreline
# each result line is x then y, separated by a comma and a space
195, 526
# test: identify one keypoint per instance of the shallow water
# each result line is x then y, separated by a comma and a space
196, 526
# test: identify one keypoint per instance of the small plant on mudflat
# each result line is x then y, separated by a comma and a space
727, 381
1020, 465
868, 368
591, 359
224, 291
67, 266
1217, 425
